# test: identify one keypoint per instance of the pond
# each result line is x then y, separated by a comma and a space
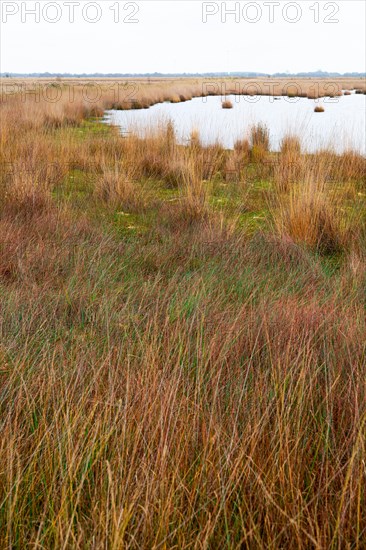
342, 125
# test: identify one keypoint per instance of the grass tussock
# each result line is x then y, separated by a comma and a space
259, 142
259, 137
24, 193
194, 190
290, 164
182, 353
118, 189
310, 216
290, 145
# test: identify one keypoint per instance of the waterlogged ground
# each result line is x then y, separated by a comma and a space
341, 126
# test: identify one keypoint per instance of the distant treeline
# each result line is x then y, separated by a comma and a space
315, 74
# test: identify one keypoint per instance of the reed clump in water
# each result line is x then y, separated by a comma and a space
227, 104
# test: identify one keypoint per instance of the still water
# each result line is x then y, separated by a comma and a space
341, 126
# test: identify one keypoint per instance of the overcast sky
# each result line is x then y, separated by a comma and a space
182, 36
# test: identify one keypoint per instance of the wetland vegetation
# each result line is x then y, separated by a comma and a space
183, 352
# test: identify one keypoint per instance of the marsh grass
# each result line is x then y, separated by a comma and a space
290, 145
182, 364
119, 189
260, 142
308, 217
290, 164
194, 189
